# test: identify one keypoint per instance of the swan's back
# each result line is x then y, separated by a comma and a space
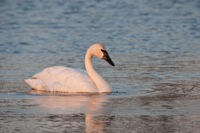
62, 79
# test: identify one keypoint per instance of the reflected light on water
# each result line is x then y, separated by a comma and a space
90, 105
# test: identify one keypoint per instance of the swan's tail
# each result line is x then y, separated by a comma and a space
35, 84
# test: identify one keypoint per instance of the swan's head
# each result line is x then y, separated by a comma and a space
99, 51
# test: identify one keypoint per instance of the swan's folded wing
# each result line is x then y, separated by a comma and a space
50, 72
62, 79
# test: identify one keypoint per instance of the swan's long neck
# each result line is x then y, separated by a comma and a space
100, 83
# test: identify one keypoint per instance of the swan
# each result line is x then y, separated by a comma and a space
70, 80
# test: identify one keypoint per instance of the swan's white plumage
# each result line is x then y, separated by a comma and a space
65, 79
62, 79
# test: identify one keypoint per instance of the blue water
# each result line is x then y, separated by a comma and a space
155, 46
145, 39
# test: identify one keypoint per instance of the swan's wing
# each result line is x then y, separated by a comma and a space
50, 71
62, 79
62, 74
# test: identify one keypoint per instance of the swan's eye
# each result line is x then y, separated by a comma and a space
105, 54
106, 57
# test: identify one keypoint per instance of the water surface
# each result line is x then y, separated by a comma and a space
154, 44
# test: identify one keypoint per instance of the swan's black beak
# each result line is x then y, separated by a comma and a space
107, 58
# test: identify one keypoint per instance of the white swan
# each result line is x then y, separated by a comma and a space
70, 80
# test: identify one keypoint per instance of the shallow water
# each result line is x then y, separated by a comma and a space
154, 44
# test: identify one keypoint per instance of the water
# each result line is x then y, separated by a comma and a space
154, 44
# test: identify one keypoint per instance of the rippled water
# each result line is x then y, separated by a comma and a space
154, 44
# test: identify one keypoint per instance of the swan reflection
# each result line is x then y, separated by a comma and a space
90, 105
95, 108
